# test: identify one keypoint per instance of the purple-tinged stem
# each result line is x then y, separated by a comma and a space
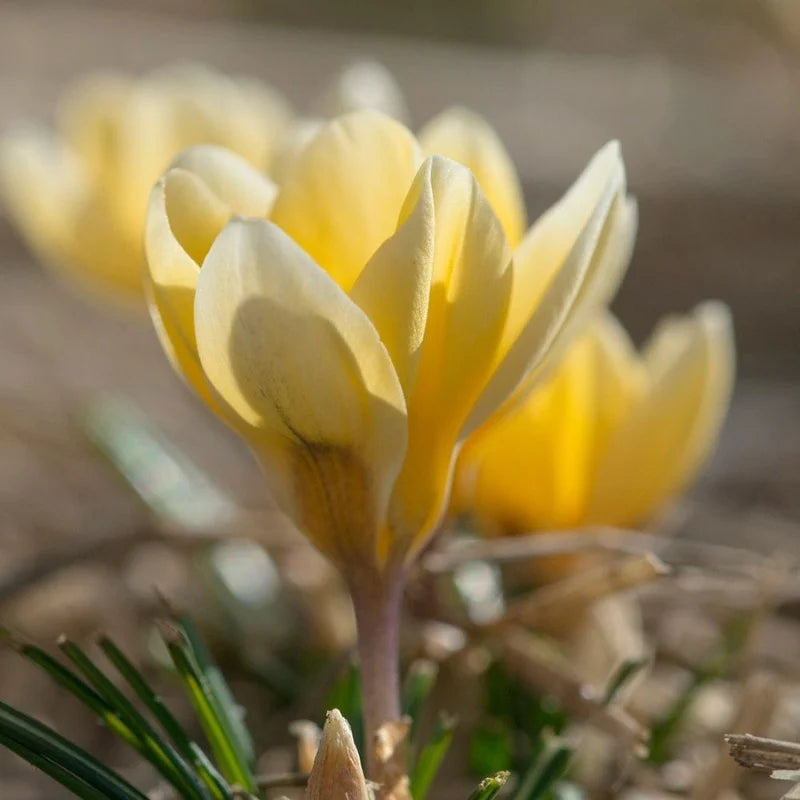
377, 605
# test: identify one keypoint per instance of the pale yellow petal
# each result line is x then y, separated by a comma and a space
553, 237
341, 199
551, 270
618, 376
230, 177
467, 137
47, 194
364, 85
470, 290
668, 435
301, 370
531, 467
292, 144
90, 118
42, 185
188, 208
526, 470
394, 288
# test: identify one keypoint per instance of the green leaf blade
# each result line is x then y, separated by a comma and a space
215, 721
431, 757
189, 749
162, 755
28, 735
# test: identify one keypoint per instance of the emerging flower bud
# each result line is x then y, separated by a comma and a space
337, 773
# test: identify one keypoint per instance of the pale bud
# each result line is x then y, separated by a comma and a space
337, 773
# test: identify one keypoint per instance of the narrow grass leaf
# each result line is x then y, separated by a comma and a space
431, 757
31, 735
540, 779
224, 700
59, 774
188, 748
214, 723
162, 755
419, 682
77, 687
621, 677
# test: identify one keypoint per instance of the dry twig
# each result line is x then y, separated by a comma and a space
550, 675
547, 608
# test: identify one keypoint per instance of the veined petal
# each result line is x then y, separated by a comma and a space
551, 269
598, 287
394, 288
553, 237
470, 291
467, 137
341, 198
187, 210
301, 370
670, 432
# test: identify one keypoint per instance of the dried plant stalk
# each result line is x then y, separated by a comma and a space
762, 754
391, 751
757, 705
549, 607
550, 675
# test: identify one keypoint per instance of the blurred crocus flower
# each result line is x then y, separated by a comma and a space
79, 194
363, 319
359, 86
611, 436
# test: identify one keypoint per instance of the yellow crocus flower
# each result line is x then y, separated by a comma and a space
79, 195
356, 323
379, 317
611, 436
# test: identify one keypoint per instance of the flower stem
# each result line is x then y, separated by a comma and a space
377, 608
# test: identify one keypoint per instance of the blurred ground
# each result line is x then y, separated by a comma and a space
707, 111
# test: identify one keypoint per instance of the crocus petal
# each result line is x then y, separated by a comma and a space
618, 380
341, 198
364, 85
467, 137
566, 248
531, 467
394, 288
470, 290
90, 117
669, 433
41, 185
67, 226
298, 367
527, 469
188, 207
